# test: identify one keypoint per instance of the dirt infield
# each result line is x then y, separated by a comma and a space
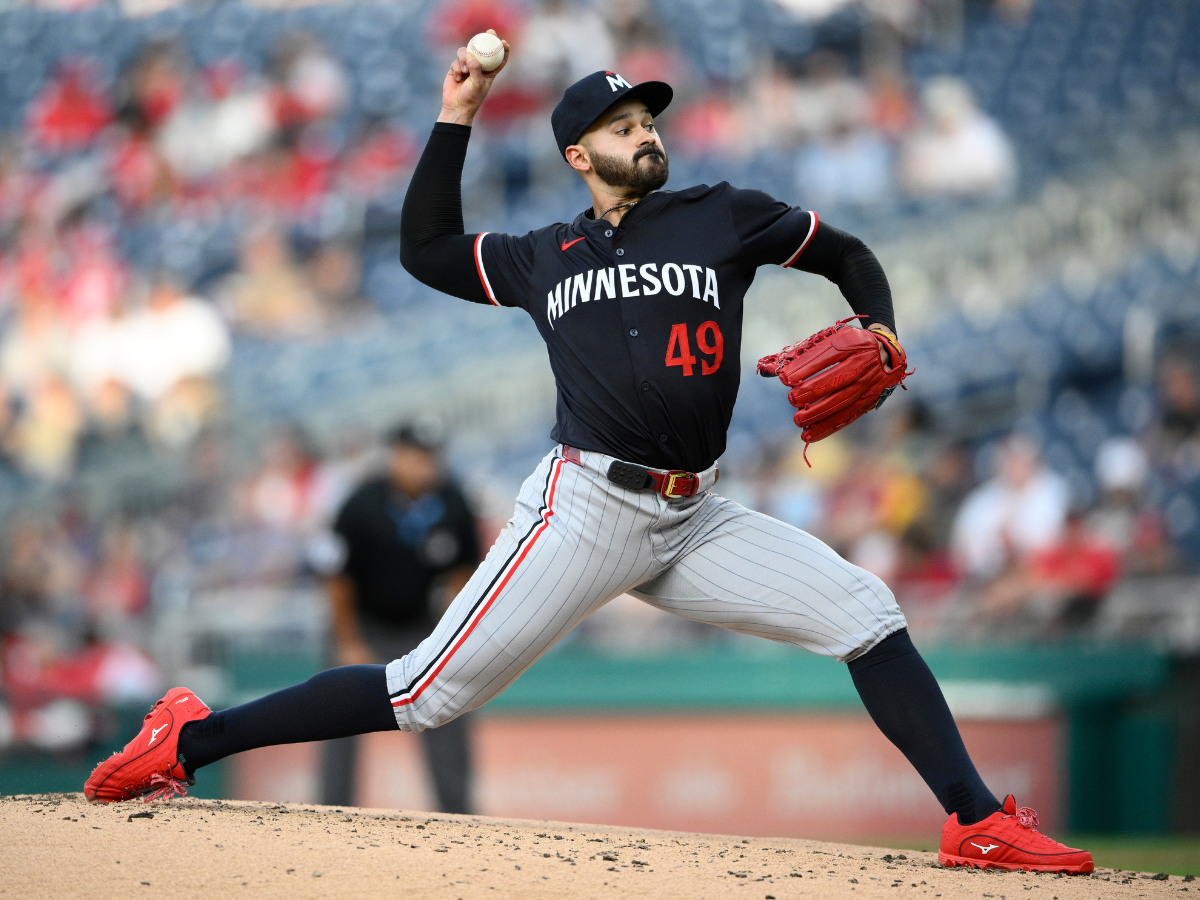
60, 846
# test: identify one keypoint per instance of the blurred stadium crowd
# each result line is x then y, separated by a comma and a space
204, 327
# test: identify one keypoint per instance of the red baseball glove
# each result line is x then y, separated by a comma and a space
836, 376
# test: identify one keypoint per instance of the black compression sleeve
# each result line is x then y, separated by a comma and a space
433, 247
904, 699
332, 704
850, 264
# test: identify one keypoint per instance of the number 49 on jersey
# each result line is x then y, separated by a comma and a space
709, 341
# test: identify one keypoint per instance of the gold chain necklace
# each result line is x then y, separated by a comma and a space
624, 205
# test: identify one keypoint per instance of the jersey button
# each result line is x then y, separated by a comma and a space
645, 385
620, 251
608, 233
663, 438
633, 332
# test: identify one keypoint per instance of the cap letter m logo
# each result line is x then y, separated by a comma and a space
616, 82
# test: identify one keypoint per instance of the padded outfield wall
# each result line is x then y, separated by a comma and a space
766, 742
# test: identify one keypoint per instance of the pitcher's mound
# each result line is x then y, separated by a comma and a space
58, 845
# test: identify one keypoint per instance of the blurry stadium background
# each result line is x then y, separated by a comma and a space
205, 329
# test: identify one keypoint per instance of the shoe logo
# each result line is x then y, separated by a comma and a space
984, 850
154, 733
567, 244
183, 699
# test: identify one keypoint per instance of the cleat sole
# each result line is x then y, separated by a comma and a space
950, 862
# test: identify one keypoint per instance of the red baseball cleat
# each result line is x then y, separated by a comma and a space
149, 765
1009, 839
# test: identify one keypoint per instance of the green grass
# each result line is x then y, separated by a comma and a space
1173, 855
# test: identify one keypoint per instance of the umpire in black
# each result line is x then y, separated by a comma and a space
410, 545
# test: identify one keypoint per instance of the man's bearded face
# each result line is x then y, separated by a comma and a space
646, 172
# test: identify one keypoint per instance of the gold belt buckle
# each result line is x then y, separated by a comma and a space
672, 477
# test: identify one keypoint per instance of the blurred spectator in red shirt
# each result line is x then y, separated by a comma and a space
310, 85
139, 175
1072, 576
148, 91
924, 571
96, 277
1059, 584
1078, 564
70, 111
36, 260
379, 161
455, 22
710, 125
153, 85
283, 179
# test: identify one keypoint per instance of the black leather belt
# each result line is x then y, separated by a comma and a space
673, 485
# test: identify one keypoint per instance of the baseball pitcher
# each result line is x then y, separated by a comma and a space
639, 301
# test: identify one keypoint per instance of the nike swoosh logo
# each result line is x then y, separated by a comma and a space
984, 850
567, 244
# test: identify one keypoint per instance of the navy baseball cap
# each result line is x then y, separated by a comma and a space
587, 99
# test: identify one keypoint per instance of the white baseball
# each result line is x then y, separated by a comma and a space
488, 49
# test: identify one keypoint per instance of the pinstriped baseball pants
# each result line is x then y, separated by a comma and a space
576, 540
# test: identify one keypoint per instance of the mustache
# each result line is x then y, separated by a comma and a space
649, 150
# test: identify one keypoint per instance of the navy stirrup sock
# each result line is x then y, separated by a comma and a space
904, 700
332, 704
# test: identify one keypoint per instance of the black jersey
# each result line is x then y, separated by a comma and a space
643, 320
